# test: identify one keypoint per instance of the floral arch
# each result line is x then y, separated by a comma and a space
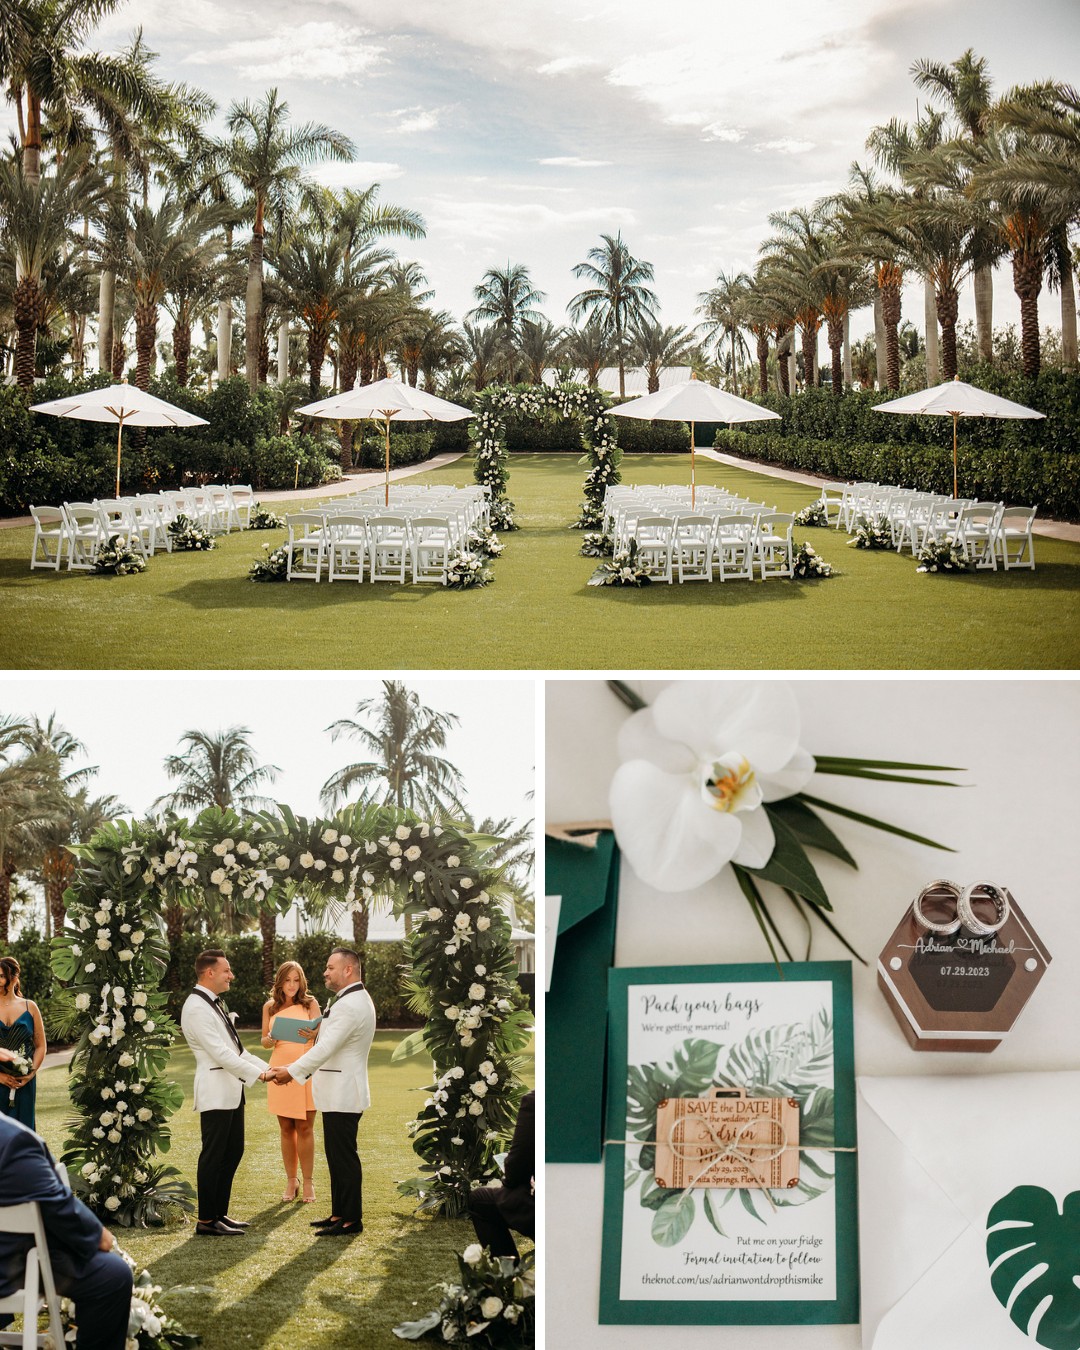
588, 405
461, 975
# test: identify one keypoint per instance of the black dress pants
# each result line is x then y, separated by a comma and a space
492, 1230
346, 1174
222, 1150
101, 1292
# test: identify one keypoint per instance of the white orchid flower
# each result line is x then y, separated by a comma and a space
698, 766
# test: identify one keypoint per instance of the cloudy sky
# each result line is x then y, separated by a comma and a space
522, 131
129, 725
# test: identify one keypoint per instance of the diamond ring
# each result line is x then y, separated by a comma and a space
941, 892
983, 890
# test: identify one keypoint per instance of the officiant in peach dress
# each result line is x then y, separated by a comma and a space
292, 1102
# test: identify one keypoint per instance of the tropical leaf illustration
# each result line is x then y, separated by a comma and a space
1033, 1250
788, 1060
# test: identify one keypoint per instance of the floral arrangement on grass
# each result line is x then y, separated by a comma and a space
597, 545
188, 535
274, 567
261, 518
19, 1066
501, 513
494, 1306
623, 569
808, 563
944, 557
149, 1326
814, 514
590, 516
873, 533
117, 558
466, 570
485, 542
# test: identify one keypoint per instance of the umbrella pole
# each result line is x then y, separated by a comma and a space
955, 419
388, 461
119, 437
693, 482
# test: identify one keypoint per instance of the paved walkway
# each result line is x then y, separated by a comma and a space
1051, 529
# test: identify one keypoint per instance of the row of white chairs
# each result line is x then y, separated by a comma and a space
376, 545
474, 500
699, 546
76, 530
985, 532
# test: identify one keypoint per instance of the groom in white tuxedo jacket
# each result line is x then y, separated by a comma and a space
338, 1068
223, 1068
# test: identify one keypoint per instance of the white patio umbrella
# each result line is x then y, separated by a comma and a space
693, 401
388, 401
956, 399
126, 405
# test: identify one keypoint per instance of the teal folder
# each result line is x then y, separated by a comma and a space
587, 879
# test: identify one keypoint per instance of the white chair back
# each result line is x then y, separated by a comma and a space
38, 1284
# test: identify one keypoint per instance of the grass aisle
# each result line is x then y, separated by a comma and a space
200, 611
280, 1288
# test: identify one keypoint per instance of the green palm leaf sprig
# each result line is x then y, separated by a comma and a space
799, 826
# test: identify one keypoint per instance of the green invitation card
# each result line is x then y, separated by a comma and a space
687, 1252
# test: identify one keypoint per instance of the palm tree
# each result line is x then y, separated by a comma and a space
27, 801
539, 345
480, 349
791, 257
589, 348
404, 769
618, 292
195, 279
265, 156
656, 347
36, 221
724, 307
506, 297
965, 87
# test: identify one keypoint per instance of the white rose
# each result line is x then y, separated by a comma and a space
512, 1313
127, 954
172, 857
137, 937
419, 877
483, 923
103, 944
473, 1254
145, 1113
220, 848
230, 860
492, 1079
243, 846
371, 847
139, 1015
436, 830
101, 916
281, 863
217, 876
82, 1002
403, 831
226, 888
453, 860
138, 1089
88, 1170
434, 913
412, 853
481, 970
461, 921
307, 860
126, 1061
465, 883
476, 991
320, 864
90, 967
106, 1118
149, 1026
395, 864
330, 837
478, 1089
139, 998
483, 898
113, 1136
450, 949
491, 1306
453, 1014
125, 928
340, 854
394, 850
486, 1068
112, 1202
476, 1109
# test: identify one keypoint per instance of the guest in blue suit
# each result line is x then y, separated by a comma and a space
84, 1265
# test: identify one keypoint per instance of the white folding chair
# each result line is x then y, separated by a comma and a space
222, 513
832, 501
37, 1285
242, 498
307, 545
733, 546
655, 536
1014, 529
85, 534
431, 544
347, 545
388, 547
50, 537
975, 534
119, 518
772, 545
692, 547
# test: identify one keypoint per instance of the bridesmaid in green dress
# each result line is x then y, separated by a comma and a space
21, 1030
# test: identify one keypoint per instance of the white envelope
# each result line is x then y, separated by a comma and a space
935, 1154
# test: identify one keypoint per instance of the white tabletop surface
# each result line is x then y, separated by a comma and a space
1015, 822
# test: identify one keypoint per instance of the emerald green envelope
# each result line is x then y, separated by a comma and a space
815, 1053
587, 879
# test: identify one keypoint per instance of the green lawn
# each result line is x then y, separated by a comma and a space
199, 610
280, 1288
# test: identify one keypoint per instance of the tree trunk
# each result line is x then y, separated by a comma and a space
106, 309
316, 359
367, 369
879, 340
653, 380
25, 309
253, 308
145, 339
268, 929
763, 363
264, 358
782, 361
933, 360
809, 355
849, 377
181, 338
361, 917
224, 339
984, 312
119, 356
890, 314
1027, 283
1069, 355
7, 875
56, 870
948, 304
32, 146
77, 324
792, 371
174, 932
283, 351
836, 345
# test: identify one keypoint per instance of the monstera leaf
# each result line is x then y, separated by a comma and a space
1034, 1256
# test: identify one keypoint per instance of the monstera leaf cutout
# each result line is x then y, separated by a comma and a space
1034, 1256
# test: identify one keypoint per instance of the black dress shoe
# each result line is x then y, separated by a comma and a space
233, 1223
217, 1229
322, 1223
343, 1228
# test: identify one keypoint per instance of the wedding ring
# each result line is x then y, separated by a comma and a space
938, 890
983, 890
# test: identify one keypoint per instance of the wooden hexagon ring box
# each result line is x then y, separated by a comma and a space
959, 991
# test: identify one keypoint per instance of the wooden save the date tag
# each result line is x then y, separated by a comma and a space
727, 1139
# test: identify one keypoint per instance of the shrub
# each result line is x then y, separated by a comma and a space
655, 438
406, 447
550, 434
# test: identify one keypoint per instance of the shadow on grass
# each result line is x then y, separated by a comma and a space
298, 595
175, 1267
727, 595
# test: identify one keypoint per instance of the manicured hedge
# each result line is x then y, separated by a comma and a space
406, 447
654, 438
1017, 475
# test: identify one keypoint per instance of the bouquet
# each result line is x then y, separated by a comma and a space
493, 1306
485, 542
188, 535
814, 514
623, 569
934, 557
117, 558
274, 567
502, 515
263, 519
809, 563
597, 546
464, 571
21, 1066
871, 533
